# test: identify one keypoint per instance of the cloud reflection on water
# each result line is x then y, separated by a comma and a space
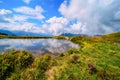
37, 46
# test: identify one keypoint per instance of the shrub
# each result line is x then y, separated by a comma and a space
75, 58
14, 61
25, 59
39, 67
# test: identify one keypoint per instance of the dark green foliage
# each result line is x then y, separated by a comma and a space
25, 59
14, 61
43, 64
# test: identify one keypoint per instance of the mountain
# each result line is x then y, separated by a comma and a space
70, 34
3, 34
23, 33
6, 32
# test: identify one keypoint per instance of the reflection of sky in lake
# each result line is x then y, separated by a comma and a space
37, 45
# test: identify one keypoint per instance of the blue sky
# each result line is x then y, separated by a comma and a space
60, 16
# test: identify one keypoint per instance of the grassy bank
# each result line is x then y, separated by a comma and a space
97, 59
31, 37
23, 37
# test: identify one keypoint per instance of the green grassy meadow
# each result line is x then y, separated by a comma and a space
98, 58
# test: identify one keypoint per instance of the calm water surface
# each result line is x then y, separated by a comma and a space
37, 46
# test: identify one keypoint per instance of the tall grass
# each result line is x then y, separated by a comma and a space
97, 59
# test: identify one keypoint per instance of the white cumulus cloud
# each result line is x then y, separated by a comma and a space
5, 15
60, 25
78, 16
35, 13
26, 26
97, 15
20, 18
3, 12
27, 1
55, 25
17, 22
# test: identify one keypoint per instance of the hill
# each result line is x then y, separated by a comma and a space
3, 34
115, 35
6, 32
112, 37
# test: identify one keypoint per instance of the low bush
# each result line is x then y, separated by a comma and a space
14, 61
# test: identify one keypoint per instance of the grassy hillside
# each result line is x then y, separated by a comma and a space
97, 59
112, 37
115, 36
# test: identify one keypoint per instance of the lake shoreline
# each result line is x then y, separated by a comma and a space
37, 46
97, 59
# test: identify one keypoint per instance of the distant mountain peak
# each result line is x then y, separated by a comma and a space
71, 34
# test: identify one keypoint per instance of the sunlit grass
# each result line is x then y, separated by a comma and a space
97, 59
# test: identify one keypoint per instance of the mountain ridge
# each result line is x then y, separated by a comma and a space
6, 32
21, 33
